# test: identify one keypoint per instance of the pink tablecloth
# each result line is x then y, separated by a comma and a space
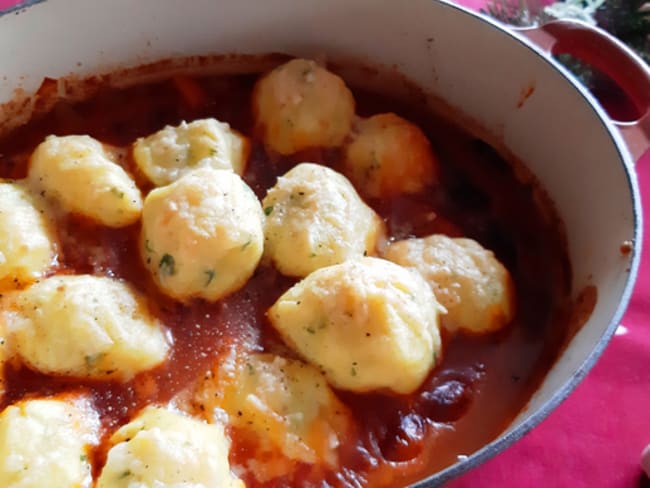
594, 438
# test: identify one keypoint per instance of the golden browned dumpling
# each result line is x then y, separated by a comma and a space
300, 105
368, 324
286, 404
388, 156
202, 235
46, 443
467, 279
315, 218
162, 448
82, 175
84, 326
174, 151
27, 240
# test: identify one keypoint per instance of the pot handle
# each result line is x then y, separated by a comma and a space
610, 56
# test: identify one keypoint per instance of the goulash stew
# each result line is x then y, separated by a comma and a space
270, 279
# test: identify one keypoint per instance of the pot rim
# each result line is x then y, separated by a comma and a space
20, 7
504, 441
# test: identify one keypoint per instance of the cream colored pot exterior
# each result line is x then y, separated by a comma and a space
560, 132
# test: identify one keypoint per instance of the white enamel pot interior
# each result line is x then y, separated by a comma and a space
561, 134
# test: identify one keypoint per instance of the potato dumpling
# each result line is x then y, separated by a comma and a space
368, 324
83, 326
315, 218
82, 175
286, 404
46, 442
202, 235
27, 242
467, 279
300, 105
170, 153
163, 448
388, 156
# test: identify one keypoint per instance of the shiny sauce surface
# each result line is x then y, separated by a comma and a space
482, 382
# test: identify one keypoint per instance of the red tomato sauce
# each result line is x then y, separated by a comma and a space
482, 383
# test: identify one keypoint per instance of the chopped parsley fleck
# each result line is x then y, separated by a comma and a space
312, 255
209, 276
91, 360
83, 458
353, 371
125, 474
268, 210
248, 242
167, 265
310, 329
115, 191
251, 370
147, 246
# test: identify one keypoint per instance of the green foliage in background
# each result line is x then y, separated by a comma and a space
629, 20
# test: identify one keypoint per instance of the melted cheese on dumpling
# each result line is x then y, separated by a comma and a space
202, 235
286, 403
84, 326
46, 443
315, 218
162, 448
467, 279
300, 105
27, 242
174, 151
388, 155
82, 175
368, 324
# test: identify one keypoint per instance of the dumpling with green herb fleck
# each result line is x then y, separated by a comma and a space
368, 324
315, 218
47, 442
27, 238
82, 175
388, 155
164, 448
284, 404
83, 326
475, 288
300, 105
173, 151
202, 235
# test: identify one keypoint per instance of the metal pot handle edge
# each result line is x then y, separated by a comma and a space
613, 58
